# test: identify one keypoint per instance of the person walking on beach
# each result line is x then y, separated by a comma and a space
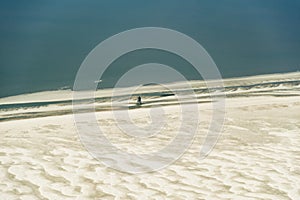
139, 100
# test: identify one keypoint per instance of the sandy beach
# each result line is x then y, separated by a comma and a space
257, 155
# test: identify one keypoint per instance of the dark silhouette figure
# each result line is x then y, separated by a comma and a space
139, 100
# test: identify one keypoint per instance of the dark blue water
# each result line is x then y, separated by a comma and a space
44, 43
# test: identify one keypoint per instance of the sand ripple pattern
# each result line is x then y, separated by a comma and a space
257, 157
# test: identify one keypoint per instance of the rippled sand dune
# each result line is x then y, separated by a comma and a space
257, 155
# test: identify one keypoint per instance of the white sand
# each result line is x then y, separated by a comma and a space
256, 157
